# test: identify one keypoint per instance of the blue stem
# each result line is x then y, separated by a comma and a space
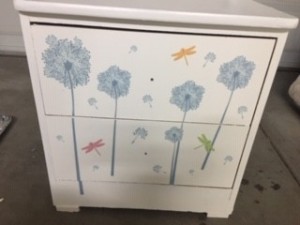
114, 140
172, 165
217, 132
173, 173
78, 176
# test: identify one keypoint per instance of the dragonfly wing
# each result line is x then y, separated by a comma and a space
177, 56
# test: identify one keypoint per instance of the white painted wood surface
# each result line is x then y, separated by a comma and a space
220, 12
137, 182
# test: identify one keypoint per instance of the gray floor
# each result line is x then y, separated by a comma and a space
269, 194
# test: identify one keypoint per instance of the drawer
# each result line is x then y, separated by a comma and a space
150, 75
145, 152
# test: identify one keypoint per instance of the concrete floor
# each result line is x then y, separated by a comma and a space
269, 194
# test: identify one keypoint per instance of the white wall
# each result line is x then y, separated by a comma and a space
11, 40
291, 55
10, 29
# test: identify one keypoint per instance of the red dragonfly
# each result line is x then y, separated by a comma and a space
94, 146
183, 53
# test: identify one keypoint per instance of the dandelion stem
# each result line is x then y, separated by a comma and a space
114, 139
97, 151
135, 138
173, 174
217, 132
172, 165
78, 176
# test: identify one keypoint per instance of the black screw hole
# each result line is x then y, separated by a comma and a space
152, 79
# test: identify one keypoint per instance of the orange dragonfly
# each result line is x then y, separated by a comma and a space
94, 146
183, 53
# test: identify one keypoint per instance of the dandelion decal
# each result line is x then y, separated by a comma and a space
210, 57
139, 132
174, 135
114, 82
183, 53
186, 97
94, 146
227, 159
148, 99
93, 102
133, 49
157, 168
60, 138
68, 62
191, 172
241, 110
95, 168
235, 74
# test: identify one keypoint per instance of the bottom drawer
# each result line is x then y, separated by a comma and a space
134, 151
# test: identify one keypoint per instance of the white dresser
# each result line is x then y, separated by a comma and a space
150, 104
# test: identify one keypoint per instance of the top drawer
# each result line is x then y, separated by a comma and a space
150, 75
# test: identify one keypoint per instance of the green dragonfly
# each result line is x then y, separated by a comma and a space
205, 142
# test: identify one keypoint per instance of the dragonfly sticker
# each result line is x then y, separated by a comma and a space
94, 146
205, 142
183, 53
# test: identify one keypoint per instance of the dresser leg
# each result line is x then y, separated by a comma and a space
67, 208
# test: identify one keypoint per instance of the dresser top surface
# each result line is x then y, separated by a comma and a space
217, 12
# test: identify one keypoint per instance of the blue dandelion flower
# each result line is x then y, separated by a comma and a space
114, 82
236, 73
174, 134
67, 61
187, 96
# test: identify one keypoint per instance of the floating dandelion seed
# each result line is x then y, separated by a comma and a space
139, 132
133, 49
60, 138
93, 102
191, 172
95, 167
228, 158
157, 168
241, 110
114, 82
234, 75
68, 62
148, 99
210, 57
